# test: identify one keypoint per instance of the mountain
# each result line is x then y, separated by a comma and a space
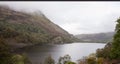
19, 29
97, 37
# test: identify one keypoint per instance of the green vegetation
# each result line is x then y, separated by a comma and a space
115, 49
22, 33
96, 37
100, 60
110, 54
69, 62
30, 28
6, 57
91, 59
62, 60
20, 59
35, 28
104, 52
65, 59
49, 60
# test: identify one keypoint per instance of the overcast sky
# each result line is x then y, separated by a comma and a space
75, 17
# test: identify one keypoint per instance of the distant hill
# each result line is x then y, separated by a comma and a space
19, 28
97, 37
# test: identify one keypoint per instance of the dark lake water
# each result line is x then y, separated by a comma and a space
76, 50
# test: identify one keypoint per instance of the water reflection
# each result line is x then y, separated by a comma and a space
75, 50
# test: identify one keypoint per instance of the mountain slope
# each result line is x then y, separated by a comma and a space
98, 37
20, 28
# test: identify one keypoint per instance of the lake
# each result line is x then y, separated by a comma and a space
76, 50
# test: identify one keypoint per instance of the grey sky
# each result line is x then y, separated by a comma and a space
75, 17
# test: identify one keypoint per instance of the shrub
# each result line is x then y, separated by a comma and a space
100, 60
70, 62
49, 60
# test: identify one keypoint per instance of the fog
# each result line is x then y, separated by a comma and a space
75, 17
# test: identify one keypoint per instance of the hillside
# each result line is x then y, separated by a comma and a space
97, 37
21, 29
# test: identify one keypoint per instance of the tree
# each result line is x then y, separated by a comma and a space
104, 52
115, 49
49, 60
5, 55
65, 59
100, 60
83, 60
70, 62
91, 59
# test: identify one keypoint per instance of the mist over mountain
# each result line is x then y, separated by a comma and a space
21, 28
96, 37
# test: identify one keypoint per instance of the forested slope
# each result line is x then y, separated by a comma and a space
20, 28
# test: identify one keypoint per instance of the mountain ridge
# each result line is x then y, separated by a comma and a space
96, 37
20, 28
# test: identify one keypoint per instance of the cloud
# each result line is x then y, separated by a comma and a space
76, 17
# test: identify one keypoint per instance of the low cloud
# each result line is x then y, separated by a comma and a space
76, 17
